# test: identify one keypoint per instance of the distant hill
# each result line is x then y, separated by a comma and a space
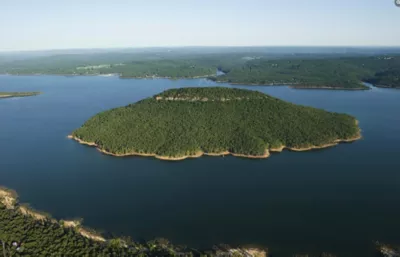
301, 67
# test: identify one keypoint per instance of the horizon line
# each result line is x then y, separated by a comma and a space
193, 46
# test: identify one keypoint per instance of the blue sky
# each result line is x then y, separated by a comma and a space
53, 24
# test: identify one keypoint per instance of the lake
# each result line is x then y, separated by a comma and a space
337, 200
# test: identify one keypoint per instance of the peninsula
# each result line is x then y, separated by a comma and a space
190, 122
27, 232
17, 94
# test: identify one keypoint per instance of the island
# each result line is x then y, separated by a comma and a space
17, 94
216, 121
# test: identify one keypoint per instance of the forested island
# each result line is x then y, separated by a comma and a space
17, 94
189, 122
247, 66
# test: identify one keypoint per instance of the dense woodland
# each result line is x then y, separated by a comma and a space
23, 235
387, 78
335, 72
324, 69
249, 123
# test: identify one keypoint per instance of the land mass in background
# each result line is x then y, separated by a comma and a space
339, 69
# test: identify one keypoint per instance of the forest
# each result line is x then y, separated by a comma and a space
184, 122
345, 73
25, 235
259, 66
387, 78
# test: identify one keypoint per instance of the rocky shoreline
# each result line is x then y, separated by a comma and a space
224, 153
10, 200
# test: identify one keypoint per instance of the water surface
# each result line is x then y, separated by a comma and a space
336, 200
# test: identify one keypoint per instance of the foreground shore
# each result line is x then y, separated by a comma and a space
9, 199
24, 224
33, 233
224, 153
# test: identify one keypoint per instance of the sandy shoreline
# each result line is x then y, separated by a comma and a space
167, 158
200, 153
10, 201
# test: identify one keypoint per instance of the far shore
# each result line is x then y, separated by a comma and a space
293, 85
384, 86
224, 153
330, 88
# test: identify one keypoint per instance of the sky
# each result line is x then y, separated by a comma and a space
58, 24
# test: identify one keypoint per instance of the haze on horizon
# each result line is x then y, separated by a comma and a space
47, 24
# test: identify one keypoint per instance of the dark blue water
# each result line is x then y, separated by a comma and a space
337, 200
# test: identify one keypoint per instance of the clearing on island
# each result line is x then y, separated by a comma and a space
189, 122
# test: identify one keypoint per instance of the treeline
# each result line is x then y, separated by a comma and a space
247, 126
387, 78
260, 68
209, 94
333, 72
23, 235
132, 65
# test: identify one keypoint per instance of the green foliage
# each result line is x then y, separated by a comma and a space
387, 78
305, 73
22, 235
49, 238
240, 66
46, 238
237, 120
211, 94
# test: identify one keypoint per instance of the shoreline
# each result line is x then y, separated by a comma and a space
388, 87
331, 88
45, 220
10, 200
119, 75
289, 84
168, 158
199, 154
293, 85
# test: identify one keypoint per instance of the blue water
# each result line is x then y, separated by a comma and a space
337, 200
